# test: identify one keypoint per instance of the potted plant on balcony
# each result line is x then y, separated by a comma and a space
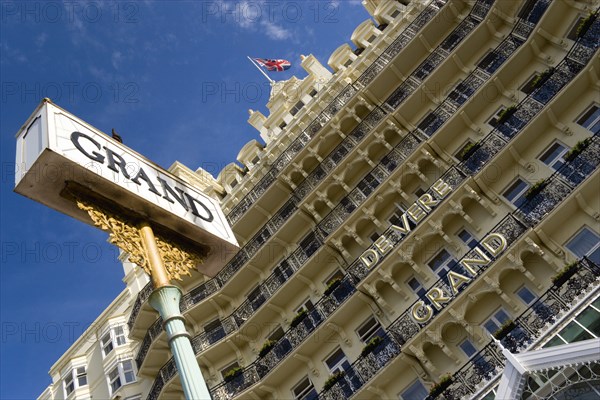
564, 274
469, 149
535, 189
577, 149
298, 318
371, 345
334, 283
232, 374
439, 387
505, 329
585, 24
505, 114
541, 78
333, 379
266, 347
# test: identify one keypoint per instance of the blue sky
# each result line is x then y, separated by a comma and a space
149, 70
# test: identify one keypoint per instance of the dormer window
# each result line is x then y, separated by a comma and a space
297, 107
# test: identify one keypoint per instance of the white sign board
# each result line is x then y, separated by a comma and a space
55, 149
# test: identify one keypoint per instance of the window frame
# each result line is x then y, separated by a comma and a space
470, 243
113, 339
419, 290
589, 252
339, 365
444, 266
403, 393
558, 159
306, 392
495, 320
229, 367
467, 341
595, 122
518, 294
121, 375
519, 199
371, 332
74, 378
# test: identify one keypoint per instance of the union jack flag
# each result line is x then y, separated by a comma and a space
273, 65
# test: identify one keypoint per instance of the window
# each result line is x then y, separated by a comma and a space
526, 295
255, 160
416, 391
396, 218
419, 192
297, 107
529, 86
395, 13
114, 336
467, 347
467, 238
464, 150
416, 287
75, 378
554, 155
585, 243
572, 34
313, 93
283, 125
515, 192
304, 390
371, 38
337, 361
374, 236
307, 305
590, 119
370, 329
496, 321
337, 275
214, 331
276, 334
441, 262
347, 63
120, 375
494, 120
584, 326
228, 368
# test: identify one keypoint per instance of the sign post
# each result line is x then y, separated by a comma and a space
166, 226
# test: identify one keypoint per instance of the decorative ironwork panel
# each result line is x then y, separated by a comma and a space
491, 145
545, 201
141, 298
404, 328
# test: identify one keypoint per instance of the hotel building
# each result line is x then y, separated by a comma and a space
421, 220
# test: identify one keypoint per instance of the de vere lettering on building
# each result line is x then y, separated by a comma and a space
437, 297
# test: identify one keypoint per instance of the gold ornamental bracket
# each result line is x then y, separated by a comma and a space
160, 258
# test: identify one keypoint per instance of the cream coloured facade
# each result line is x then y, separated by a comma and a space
416, 214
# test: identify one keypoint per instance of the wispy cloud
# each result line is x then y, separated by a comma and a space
40, 40
275, 31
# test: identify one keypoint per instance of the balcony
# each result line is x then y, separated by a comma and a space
531, 106
529, 16
337, 104
369, 123
529, 326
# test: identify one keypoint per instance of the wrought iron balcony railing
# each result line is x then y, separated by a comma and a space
316, 176
486, 364
337, 104
584, 174
353, 200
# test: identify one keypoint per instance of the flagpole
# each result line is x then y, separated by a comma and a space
260, 69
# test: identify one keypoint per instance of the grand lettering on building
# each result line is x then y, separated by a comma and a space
115, 162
